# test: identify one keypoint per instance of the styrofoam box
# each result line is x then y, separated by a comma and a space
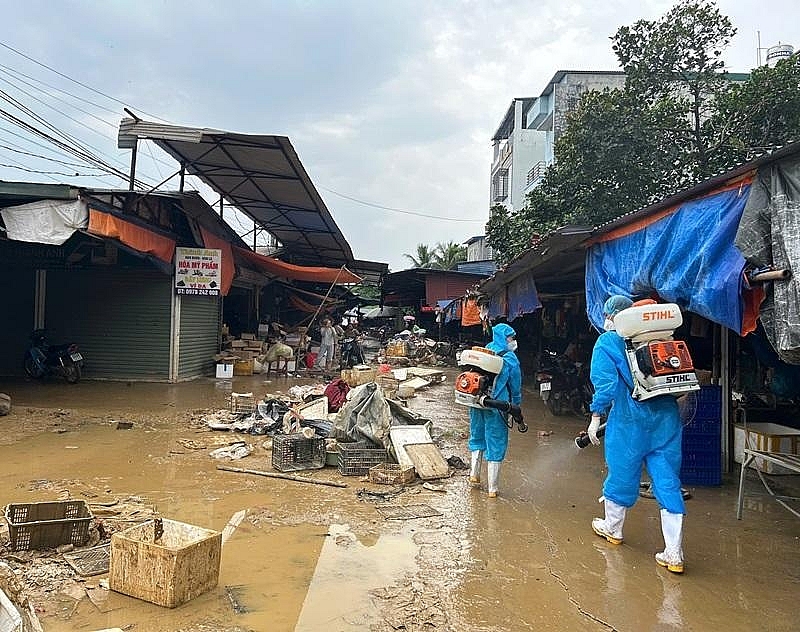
225, 370
767, 437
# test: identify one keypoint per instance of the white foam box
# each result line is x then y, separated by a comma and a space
225, 370
767, 437
169, 570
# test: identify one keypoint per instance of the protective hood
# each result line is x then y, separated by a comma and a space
499, 334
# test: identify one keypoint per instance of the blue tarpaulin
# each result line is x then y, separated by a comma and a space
687, 257
522, 296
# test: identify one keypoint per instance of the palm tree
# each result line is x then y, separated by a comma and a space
448, 256
424, 258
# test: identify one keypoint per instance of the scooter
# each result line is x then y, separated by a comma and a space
42, 359
351, 353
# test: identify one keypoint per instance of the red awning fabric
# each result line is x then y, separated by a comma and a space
471, 314
136, 237
277, 268
228, 267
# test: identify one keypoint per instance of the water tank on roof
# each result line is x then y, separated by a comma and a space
778, 53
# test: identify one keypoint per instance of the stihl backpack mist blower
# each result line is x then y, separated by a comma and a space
475, 383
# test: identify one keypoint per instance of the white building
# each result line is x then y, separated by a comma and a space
523, 143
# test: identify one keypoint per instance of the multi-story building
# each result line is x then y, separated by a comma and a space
523, 143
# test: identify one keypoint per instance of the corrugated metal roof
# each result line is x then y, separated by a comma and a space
261, 176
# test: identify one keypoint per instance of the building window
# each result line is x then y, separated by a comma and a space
500, 185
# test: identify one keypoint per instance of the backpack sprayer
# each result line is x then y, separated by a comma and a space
659, 364
474, 385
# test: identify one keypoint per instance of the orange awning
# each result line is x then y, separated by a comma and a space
277, 268
136, 237
228, 269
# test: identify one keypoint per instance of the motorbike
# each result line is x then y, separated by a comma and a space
564, 384
351, 353
43, 359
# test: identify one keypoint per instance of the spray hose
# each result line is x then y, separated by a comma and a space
508, 408
583, 440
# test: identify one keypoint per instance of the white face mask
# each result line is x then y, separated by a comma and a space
608, 325
512, 346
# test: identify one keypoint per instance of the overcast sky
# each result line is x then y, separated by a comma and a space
391, 103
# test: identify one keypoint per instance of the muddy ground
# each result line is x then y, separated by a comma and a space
309, 558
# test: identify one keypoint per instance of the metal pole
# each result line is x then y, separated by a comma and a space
133, 165
725, 382
183, 173
221, 207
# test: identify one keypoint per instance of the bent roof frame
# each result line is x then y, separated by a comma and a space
258, 174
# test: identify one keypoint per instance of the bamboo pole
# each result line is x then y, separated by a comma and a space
287, 477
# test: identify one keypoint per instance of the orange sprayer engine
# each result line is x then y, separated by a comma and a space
659, 364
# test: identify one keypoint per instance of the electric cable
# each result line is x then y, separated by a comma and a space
400, 210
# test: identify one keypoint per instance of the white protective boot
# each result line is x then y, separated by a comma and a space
476, 458
493, 468
610, 527
672, 529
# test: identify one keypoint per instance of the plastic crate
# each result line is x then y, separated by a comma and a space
355, 459
293, 452
711, 394
48, 525
241, 403
702, 459
391, 474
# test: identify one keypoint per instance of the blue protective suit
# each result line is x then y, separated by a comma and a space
487, 427
637, 433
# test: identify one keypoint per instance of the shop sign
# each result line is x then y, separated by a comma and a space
197, 271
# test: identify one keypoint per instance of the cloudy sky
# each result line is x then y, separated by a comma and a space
388, 103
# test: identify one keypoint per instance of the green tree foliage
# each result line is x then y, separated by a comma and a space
423, 257
448, 256
679, 119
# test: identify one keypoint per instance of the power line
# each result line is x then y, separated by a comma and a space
28, 153
80, 83
400, 210
55, 173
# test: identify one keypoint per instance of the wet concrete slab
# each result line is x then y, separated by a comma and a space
524, 561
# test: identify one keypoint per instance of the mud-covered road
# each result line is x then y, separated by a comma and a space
311, 558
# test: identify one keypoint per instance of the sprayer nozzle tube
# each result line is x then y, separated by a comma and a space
583, 440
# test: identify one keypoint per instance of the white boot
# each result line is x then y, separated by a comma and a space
672, 529
610, 527
493, 468
475, 468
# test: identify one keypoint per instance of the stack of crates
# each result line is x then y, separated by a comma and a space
355, 459
702, 449
293, 452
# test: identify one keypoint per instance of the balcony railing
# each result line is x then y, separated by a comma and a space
536, 173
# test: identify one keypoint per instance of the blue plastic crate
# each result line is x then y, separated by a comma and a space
711, 394
702, 458
701, 476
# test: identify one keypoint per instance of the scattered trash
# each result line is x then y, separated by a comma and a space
545, 433
366, 495
236, 450
406, 512
287, 477
434, 488
124, 425
233, 523
456, 462
90, 562
5, 404
234, 596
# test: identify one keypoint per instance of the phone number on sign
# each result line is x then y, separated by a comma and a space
197, 291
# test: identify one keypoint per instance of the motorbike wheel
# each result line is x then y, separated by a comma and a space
31, 368
72, 373
554, 405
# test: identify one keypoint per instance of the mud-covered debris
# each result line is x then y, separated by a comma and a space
457, 462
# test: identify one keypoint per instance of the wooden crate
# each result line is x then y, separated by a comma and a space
243, 367
169, 571
359, 375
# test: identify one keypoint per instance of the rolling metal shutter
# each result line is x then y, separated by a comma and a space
199, 334
16, 319
120, 318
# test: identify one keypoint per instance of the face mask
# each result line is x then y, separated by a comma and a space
512, 346
608, 325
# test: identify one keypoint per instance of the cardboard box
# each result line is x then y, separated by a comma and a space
243, 367
224, 370
248, 336
169, 570
768, 438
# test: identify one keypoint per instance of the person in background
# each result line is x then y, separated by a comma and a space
327, 343
637, 433
488, 432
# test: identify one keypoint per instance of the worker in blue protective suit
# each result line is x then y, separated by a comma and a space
637, 433
488, 432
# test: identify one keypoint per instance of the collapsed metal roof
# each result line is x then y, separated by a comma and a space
261, 176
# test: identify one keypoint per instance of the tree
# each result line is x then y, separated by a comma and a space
424, 257
448, 256
679, 119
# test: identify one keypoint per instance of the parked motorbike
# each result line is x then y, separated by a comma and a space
564, 385
43, 359
351, 353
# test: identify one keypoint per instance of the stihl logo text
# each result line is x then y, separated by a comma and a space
677, 379
662, 315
